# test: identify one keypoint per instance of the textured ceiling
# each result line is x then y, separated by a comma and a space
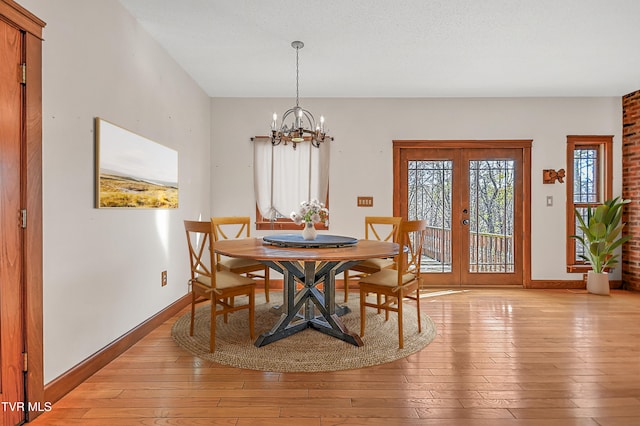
401, 48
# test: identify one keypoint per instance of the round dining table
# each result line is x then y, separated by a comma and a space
304, 266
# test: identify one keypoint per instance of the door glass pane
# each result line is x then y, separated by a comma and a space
491, 190
430, 184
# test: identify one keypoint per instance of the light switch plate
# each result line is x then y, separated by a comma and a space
365, 201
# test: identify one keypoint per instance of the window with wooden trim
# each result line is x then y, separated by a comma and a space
589, 183
284, 177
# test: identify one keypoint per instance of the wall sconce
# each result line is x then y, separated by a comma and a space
550, 176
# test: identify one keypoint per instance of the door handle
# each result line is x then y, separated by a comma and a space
465, 222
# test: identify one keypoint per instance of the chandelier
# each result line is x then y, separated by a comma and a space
303, 125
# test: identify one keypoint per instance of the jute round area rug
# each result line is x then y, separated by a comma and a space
308, 350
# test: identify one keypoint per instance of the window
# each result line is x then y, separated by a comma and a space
284, 177
589, 183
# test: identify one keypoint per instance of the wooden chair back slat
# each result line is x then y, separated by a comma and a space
241, 225
200, 243
382, 228
411, 237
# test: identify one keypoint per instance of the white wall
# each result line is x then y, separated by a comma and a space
361, 155
102, 267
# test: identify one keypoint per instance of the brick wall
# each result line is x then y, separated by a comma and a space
631, 188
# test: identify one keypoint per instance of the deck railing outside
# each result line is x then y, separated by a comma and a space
487, 252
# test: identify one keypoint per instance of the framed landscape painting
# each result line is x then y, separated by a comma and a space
133, 171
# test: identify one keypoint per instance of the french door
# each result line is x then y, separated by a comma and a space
472, 195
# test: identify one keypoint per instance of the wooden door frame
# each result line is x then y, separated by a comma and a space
31, 198
523, 144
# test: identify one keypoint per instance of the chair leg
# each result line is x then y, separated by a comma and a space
212, 332
363, 318
231, 302
345, 275
400, 334
252, 309
266, 284
226, 314
193, 311
418, 308
387, 303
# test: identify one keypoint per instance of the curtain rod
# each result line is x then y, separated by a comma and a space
306, 138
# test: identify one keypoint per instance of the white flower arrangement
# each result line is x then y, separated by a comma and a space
311, 211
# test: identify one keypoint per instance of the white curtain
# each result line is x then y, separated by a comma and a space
284, 177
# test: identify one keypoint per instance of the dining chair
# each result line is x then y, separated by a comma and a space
381, 228
218, 286
392, 286
225, 227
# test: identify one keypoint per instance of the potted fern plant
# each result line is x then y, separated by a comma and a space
601, 236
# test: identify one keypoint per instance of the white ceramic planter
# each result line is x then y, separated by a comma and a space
598, 283
309, 232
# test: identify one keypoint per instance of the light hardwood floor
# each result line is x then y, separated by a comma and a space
501, 357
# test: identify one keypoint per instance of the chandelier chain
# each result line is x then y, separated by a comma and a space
297, 77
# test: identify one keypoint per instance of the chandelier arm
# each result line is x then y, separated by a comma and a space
287, 113
283, 125
310, 119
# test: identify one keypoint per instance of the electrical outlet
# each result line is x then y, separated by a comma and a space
164, 278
